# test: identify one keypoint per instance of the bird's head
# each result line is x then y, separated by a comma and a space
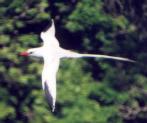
31, 52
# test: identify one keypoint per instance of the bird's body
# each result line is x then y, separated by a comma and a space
51, 53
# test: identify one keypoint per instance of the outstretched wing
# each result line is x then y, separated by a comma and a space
48, 36
49, 80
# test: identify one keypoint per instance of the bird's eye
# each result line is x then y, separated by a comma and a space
30, 52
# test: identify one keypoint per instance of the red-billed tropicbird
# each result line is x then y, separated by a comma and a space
51, 53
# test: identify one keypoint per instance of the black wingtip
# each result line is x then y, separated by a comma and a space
53, 108
49, 97
52, 21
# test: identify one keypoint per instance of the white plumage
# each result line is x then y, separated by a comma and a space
51, 53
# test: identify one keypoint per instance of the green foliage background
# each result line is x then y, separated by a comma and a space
89, 90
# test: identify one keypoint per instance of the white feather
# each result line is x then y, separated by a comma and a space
49, 79
51, 53
49, 38
71, 54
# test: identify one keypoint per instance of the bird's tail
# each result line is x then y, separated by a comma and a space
107, 57
71, 54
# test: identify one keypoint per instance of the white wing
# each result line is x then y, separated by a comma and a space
48, 36
49, 80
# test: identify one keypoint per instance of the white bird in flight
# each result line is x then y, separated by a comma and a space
51, 52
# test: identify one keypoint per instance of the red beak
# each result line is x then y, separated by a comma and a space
24, 54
